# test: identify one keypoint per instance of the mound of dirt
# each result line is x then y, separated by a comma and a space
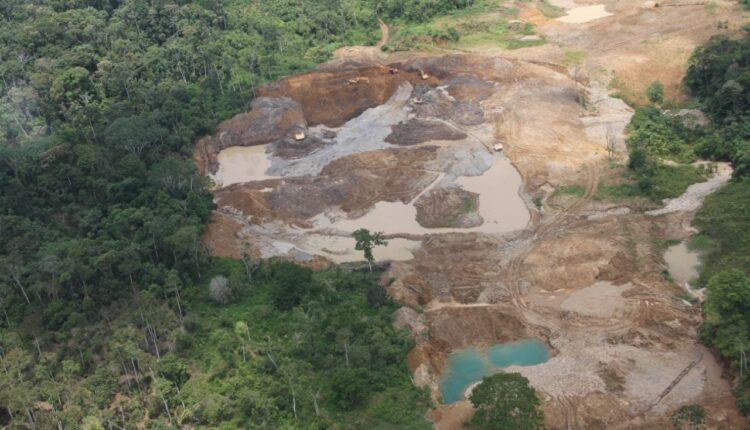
418, 130
436, 273
459, 327
469, 88
448, 207
332, 96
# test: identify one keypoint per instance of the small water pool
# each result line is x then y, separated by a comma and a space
469, 365
683, 263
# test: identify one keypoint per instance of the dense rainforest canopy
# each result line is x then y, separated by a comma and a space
105, 319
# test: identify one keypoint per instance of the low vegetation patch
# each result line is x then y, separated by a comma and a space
484, 23
569, 190
549, 10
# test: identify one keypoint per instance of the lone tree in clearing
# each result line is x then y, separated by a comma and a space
505, 401
366, 241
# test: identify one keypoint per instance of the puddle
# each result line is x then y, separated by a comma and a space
468, 366
500, 205
242, 164
682, 263
583, 14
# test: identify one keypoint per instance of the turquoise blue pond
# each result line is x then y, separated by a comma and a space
469, 365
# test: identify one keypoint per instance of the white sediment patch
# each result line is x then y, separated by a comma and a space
584, 14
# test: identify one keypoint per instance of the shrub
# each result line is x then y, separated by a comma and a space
655, 92
689, 417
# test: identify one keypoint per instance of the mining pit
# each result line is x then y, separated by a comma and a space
481, 252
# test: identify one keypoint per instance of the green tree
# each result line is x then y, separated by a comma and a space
505, 401
728, 306
655, 92
366, 241
350, 387
290, 284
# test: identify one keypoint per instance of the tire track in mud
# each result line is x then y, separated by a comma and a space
557, 221
507, 132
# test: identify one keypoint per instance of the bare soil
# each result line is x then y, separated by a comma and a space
584, 276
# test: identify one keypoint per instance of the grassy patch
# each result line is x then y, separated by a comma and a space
666, 136
667, 182
619, 90
486, 23
569, 190
701, 243
710, 8
617, 192
468, 204
671, 181
549, 10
